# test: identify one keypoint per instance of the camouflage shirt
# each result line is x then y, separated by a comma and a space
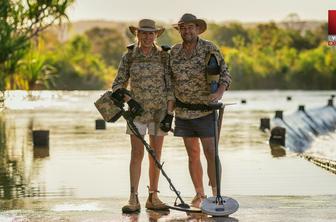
148, 80
189, 77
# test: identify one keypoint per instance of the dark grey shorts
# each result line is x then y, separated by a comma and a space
200, 127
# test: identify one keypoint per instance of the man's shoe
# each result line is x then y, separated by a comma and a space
133, 205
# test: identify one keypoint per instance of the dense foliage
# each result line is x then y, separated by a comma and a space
20, 23
261, 56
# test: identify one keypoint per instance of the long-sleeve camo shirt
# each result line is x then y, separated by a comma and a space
189, 77
149, 81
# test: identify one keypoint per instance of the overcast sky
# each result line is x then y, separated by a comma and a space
211, 10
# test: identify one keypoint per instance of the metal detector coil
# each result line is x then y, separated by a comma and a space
211, 206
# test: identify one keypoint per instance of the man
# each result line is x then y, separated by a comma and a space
189, 62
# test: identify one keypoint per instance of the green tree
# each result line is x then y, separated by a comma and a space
315, 69
241, 67
21, 21
33, 72
169, 37
225, 35
269, 35
109, 43
308, 40
77, 68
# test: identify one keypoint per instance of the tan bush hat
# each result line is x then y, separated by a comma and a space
190, 18
147, 25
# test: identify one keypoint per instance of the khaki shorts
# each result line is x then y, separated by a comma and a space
153, 129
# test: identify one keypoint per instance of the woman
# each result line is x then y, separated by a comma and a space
145, 67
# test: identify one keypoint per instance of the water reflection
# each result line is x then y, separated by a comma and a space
17, 160
12, 176
131, 217
278, 151
41, 152
155, 216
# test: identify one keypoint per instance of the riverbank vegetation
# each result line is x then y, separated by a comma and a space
271, 55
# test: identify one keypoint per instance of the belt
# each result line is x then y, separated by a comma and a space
197, 107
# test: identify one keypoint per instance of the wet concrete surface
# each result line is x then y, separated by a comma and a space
252, 208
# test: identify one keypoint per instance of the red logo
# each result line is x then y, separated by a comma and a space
332, 22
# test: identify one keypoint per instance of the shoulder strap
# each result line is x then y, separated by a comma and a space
130, 46
129, 56
165, 48
165, 57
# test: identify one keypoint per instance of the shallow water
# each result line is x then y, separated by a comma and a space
84, 163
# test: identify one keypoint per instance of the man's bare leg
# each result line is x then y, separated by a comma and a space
195, 167
209, 152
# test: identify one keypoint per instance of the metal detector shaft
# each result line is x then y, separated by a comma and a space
217, 161
220, 120
150, 150
218, 123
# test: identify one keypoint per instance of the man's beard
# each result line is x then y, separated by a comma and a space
189, 39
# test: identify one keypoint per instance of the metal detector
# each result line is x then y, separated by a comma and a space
129, 116
218, 205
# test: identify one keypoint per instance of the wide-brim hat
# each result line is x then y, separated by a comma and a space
146, 25
190, 18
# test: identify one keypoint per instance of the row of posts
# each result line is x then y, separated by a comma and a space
41, 137
243, 101
278, 134
265, 123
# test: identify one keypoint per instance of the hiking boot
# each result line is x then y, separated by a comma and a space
154, 203
196, 202
133, 205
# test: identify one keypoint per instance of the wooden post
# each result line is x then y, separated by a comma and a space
301, 108
264, 124
41, 138
278, 114
100, 124
278, 136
